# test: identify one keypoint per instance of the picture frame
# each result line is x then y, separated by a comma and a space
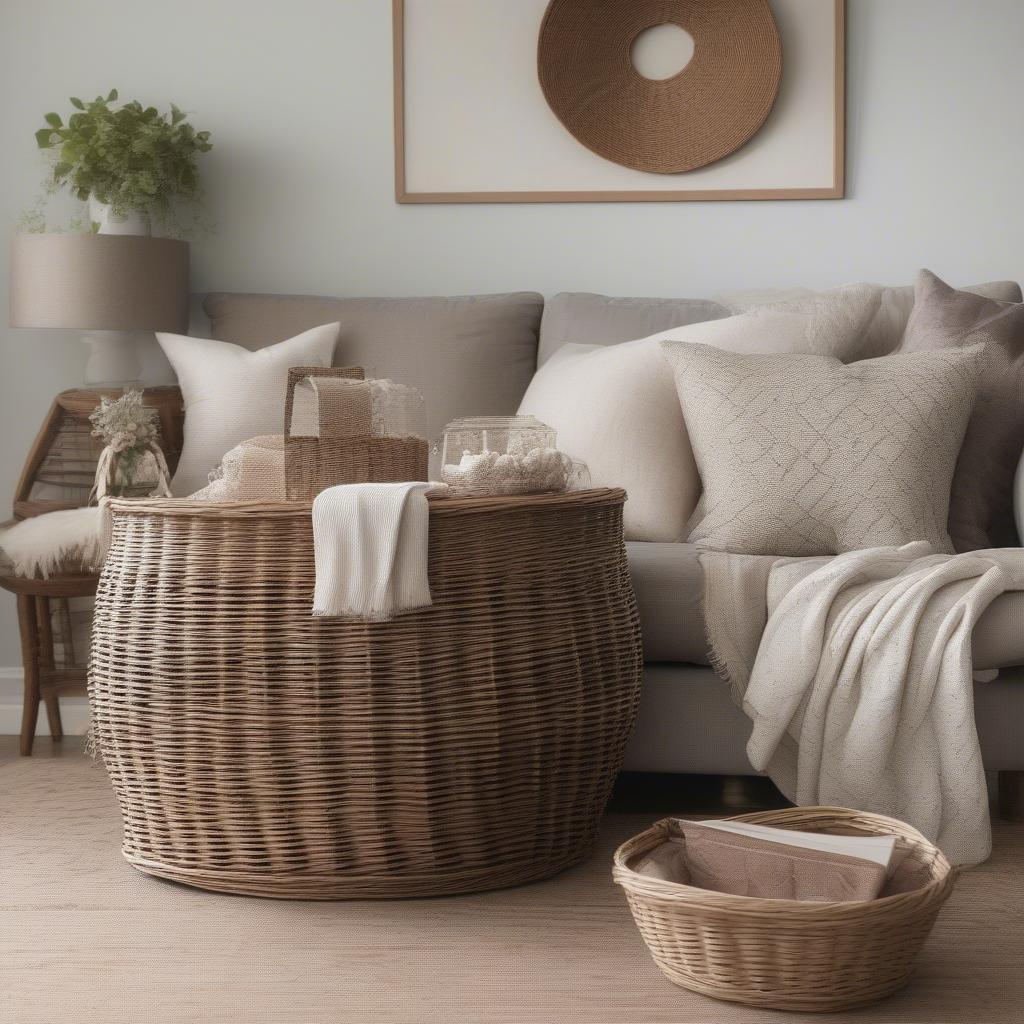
426, 133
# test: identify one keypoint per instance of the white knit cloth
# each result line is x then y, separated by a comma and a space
856, 672
370, 550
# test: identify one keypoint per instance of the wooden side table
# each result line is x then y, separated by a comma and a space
58, 474
47, 672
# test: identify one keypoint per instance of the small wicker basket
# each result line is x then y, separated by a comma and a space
314, 463
786, 954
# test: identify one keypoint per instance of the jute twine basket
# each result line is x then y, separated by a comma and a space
337, 457
256, 749
786, 954
703, 113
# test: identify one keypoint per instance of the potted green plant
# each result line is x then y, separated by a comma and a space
131, 163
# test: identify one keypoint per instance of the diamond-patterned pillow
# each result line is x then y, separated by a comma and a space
803, 455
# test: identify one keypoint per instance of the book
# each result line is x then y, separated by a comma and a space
877, 849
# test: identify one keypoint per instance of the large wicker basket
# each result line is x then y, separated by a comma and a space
786, 954
469, 745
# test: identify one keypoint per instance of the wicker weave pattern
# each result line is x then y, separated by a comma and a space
470, 745
705, 112
782, 953
313, 463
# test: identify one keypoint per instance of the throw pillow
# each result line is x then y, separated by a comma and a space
616, 408
885, 329
231, 394
801, 455
981, 505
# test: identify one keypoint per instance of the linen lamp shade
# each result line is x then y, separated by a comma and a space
99, 282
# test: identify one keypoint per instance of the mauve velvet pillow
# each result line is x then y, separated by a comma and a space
981, 502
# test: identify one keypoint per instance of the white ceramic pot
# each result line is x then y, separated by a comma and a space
135, 222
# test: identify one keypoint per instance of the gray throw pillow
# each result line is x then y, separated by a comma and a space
981, 504
803, 455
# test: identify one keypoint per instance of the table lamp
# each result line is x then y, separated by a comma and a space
112, 286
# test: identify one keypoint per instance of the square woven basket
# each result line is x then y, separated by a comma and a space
315, 463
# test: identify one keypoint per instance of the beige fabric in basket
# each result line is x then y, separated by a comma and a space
251, 471
747, 866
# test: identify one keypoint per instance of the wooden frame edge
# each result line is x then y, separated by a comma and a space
398, 48
836, 191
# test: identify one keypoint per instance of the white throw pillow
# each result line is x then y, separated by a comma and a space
231, 394
616, 408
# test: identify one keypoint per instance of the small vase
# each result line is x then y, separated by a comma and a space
135, 473
131, 473
134, 222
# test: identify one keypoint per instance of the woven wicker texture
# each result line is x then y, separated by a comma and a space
705, 112
336, 457
787, 954
470, 745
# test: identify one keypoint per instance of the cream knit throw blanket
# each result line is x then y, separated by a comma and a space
856, 674
370, 550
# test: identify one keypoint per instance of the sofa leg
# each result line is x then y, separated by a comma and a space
1011, 796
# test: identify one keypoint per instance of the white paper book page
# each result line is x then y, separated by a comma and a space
878, 849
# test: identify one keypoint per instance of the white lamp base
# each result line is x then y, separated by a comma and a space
113, 359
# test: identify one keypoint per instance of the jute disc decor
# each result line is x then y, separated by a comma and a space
256, 749
703, 113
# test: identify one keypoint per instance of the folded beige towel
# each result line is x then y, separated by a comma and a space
370, 550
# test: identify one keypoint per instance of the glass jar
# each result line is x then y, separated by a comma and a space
503, 455
506, 435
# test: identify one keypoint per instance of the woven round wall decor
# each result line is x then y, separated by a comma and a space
703, 113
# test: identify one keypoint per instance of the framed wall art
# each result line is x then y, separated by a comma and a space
557, 101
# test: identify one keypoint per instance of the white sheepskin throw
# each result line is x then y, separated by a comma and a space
55, 542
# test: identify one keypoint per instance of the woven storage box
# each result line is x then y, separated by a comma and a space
257, 749
786, 954
337, 456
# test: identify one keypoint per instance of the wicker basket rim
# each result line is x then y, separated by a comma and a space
440, 504
681, 895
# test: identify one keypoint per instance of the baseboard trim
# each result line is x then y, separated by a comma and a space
74, 710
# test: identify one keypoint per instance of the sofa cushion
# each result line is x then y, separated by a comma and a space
884, 331
669, 585
580, 318
469, 355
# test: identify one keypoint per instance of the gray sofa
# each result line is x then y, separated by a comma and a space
477, 354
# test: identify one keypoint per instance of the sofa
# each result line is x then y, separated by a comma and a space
477, 354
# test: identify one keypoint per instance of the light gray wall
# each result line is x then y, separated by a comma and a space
298, 96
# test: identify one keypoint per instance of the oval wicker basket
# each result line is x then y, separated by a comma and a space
473, 744
786, 954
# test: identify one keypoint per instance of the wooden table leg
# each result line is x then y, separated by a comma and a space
29, 656
47, 664
1011, 796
